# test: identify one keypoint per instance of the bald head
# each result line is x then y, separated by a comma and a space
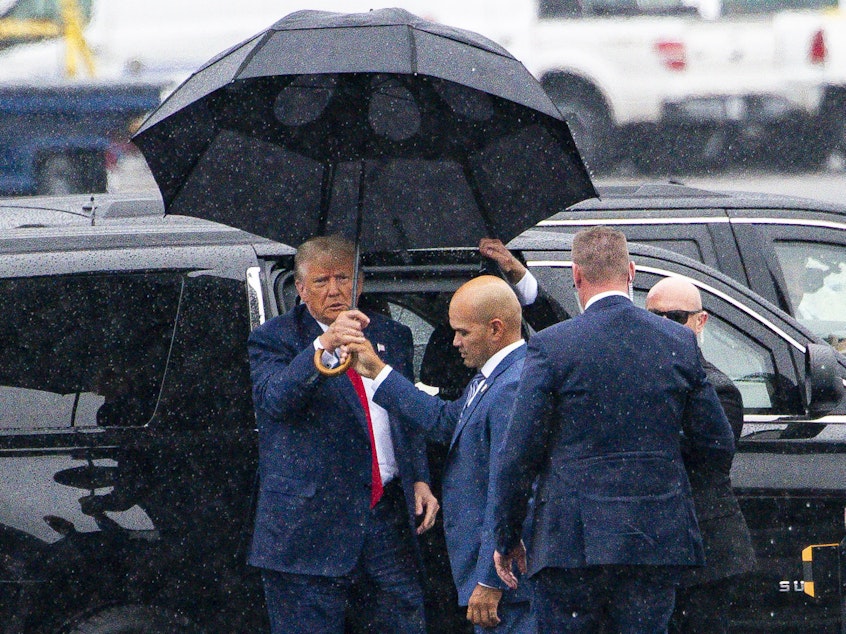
674, 293
677, 294
486, 317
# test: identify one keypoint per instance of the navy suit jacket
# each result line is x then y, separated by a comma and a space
473, 442
602, 401
314, 448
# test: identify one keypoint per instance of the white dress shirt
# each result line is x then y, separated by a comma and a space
526, 289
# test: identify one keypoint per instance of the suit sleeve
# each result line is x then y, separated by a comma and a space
732, 403
417, 442
710, 440
524, 446
284, 377
424, 415
497, 424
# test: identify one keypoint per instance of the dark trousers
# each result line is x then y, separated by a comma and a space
703, 609
618, 599
381, 594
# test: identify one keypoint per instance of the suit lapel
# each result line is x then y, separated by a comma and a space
501, 367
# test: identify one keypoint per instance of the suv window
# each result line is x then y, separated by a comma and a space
208, 376
84, 350
815, 277
98, 349
743, 360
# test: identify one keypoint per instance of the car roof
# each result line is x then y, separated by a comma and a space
34, 224
675, 196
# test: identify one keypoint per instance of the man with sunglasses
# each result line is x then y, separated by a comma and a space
704, 595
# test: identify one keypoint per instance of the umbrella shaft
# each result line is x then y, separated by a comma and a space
356, 268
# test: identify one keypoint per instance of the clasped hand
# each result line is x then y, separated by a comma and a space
345, 331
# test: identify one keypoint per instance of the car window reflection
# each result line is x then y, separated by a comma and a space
815, 276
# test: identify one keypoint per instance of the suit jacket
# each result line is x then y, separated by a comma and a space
473, 442
725, 535
602, 401
314, 448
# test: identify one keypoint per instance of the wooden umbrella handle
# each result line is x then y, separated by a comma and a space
336, 371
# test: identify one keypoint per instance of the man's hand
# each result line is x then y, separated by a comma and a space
508, 264
481, 609
505, 563
425, 502
345, 330
367, 362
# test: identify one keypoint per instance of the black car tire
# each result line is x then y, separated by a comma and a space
133, 619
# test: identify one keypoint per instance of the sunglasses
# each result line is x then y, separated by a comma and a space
678, 316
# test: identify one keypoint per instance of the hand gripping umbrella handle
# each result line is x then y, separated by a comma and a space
336, 371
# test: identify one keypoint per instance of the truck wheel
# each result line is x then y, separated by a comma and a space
133, 619
589, 122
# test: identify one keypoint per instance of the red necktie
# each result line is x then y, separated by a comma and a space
376, 483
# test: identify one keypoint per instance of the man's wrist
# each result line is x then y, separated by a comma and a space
381, 376
320, 344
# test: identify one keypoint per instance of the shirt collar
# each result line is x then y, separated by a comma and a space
490, 364
603, 295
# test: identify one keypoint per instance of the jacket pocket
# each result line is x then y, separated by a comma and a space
652, 529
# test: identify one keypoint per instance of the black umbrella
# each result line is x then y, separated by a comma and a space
397, 132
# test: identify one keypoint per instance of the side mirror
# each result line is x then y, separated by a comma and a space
823, 385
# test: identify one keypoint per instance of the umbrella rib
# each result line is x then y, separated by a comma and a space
412, 49
252, 54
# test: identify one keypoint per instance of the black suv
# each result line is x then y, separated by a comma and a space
127, 440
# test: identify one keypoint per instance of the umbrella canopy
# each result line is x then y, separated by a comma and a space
394, 131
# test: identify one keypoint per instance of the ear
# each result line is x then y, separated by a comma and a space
701, 320
577, 275
631, 272
496, 327
299, 286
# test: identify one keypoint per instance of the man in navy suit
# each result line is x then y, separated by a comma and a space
597, 421
486, 317
340, 481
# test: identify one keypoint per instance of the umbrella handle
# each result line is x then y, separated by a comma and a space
336, 371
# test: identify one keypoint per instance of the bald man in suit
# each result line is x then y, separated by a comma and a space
485, 316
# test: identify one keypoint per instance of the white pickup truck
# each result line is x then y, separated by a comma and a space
624, 70
700, 90
815, 65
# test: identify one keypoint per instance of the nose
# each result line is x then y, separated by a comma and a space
456, 340
334, 286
